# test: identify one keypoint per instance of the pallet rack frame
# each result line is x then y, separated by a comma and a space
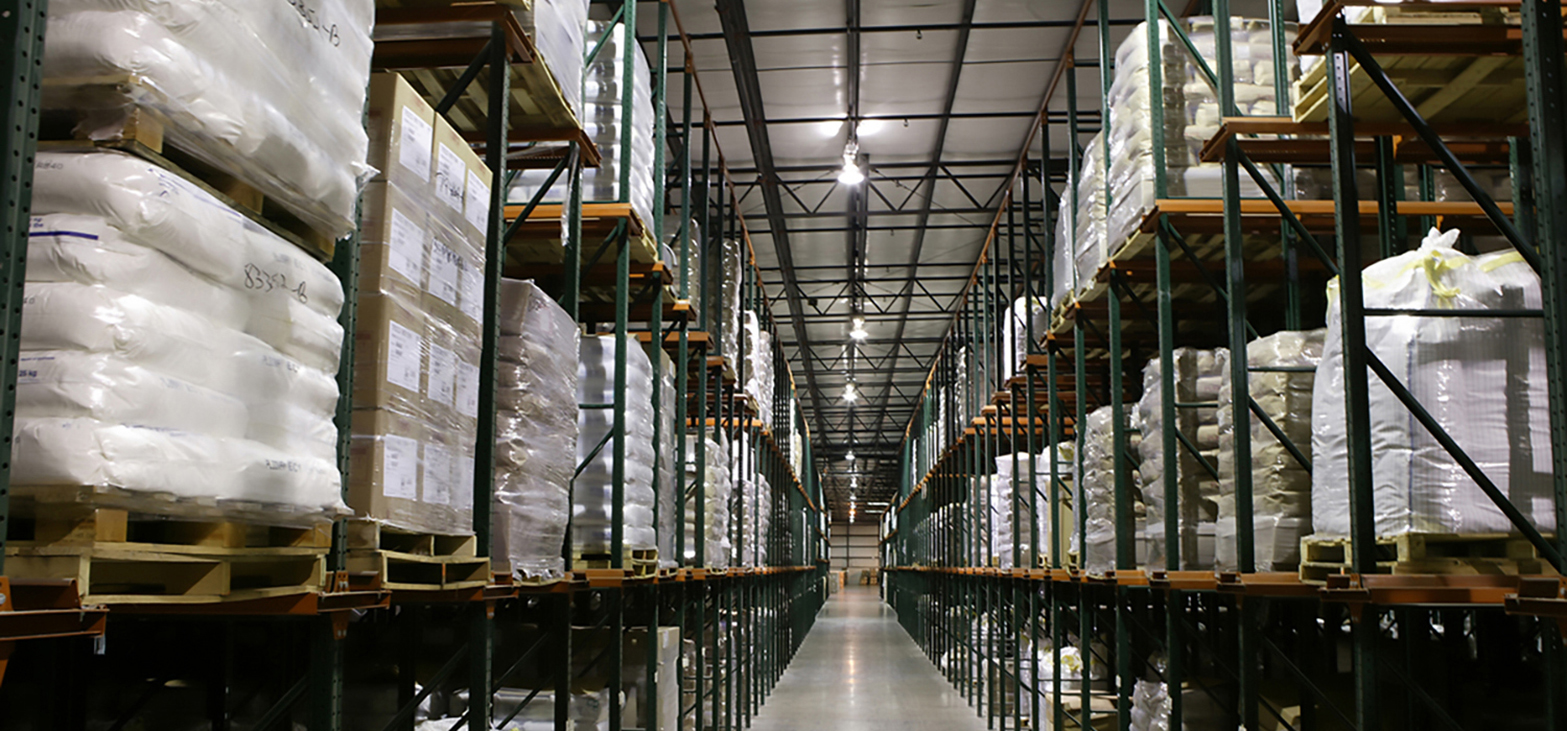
752, 600
935, 570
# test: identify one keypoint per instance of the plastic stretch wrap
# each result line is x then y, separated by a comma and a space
135, 351
558, 28
1004, 491
730, 277
593, 495
602, 114
759, 377
668, 488
1190, 114
687, 256
536, 430
253, 281
718, 488
1482, 379
1096, 490
1197, 375
1281, 486
273, 92
1023, 319
1091, 243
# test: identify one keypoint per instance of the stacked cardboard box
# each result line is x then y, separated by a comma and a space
416, 365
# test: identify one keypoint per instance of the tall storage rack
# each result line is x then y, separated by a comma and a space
1356, 648
744, 622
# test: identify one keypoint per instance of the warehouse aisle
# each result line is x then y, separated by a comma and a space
859, 671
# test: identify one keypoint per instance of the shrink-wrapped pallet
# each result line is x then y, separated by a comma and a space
1190, 114
717, 488
730, 280
1006, 489
1280, 484
535, 430
1481, 378
593, 502
153, 366
1025, 324
603, 119
758, 372
668, 486
1197, 375
1097, 494
558, 30
272, 93
417, 349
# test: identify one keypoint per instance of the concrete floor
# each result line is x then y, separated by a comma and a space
859, 671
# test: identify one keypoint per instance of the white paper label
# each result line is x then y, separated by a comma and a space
473, 292
417, 139
477, 209
443, 375
468, 390
462, 490
407, 245
400, 467
403, 357
437, 475
445, 274
449, 177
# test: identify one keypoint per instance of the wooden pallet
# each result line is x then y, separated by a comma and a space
637, 563
73, 107
1442, 88
122, 558
1425, 553
415, 561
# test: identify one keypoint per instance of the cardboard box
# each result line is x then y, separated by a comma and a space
402, 132
396, 235
391, 356
404, 472
449, 173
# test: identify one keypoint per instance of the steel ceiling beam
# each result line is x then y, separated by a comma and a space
965, 27
931, 28
742, 62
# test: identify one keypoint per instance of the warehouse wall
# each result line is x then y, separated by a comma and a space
854, 546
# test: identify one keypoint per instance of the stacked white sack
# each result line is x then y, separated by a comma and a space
1027, 319
170, 345
1191, 114
668, 488
1482, 379
716, 511
1096, 491
1281, 486
1197, 379
759, 377
535, 429
603, 117
592, 522
272, 92
558, 28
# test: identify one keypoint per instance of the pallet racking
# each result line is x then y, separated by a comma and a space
477, 65
1364, 648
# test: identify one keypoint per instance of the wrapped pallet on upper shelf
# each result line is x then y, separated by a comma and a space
604, 119
1009, 507
176, 358
758, 372
684, 256
593, 500
536, 430
417, 346
1483, 379
727, 282
1097, 493
1025, 325
269, 93
1197, 375
1283, 373
1112, 203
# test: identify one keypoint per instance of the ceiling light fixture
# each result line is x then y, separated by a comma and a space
849, 456
851, 174
850, 394
859, 332
868, 127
